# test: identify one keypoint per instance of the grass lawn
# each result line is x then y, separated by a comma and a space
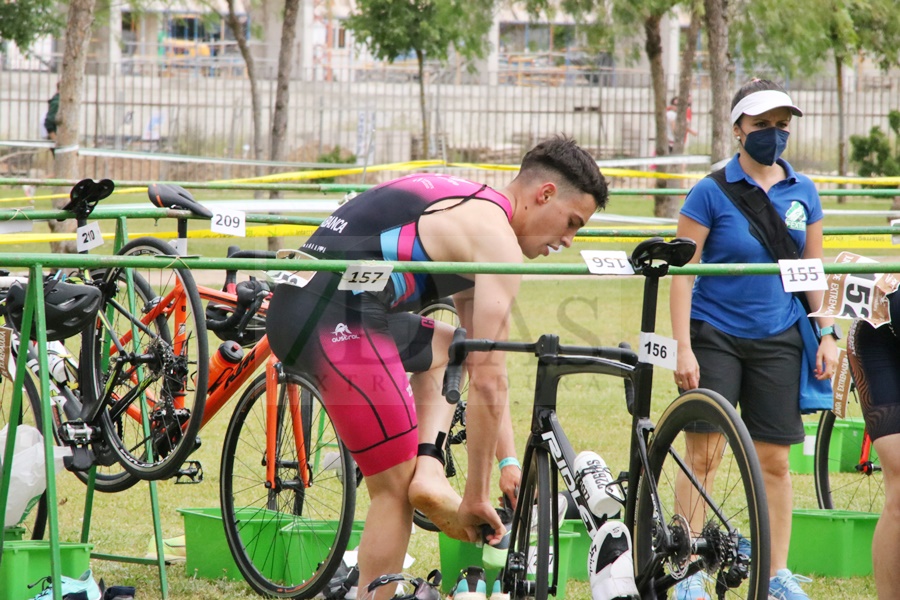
582, 310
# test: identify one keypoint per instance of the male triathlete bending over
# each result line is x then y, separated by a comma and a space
359, 346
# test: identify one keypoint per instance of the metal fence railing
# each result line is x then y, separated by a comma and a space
203, 108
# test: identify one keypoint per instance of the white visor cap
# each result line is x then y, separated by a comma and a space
763, 101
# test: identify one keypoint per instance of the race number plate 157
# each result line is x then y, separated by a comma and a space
366, 277
230, 222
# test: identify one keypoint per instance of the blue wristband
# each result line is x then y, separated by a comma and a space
510, 461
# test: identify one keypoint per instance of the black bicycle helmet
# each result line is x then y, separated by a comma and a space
68, 307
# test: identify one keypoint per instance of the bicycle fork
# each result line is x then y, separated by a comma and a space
282, 400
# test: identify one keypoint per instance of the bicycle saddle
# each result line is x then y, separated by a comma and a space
85, 195
174, 196
675, 253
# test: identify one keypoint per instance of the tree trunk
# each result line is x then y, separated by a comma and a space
721, 76
685, 78
283, 95
420, 57
68, 129
842, 142
238, 31
664, 206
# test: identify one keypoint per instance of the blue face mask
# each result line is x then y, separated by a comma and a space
766, 145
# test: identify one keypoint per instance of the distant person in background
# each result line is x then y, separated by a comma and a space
874, 356
672, 121
50, 117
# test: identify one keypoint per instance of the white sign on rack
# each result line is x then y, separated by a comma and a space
88, 237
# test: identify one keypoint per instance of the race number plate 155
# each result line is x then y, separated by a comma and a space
366, 277
802, 275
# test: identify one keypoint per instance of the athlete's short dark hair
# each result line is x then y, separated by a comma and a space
562, 156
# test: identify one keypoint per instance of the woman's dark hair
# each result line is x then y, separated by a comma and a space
751, 87
562, 156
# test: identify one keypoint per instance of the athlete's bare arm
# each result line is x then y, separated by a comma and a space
479, 231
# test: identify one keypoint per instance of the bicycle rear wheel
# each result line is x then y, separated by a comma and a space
287, 539
720, 525
847, 472
164, 363
528, 566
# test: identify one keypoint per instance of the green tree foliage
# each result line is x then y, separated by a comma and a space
427, 29
876, 155
800, 36
24, 21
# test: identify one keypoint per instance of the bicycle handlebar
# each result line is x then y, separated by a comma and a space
453, 374
249, 297
547, 345
236, 252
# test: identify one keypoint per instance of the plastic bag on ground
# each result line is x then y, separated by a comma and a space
28, 480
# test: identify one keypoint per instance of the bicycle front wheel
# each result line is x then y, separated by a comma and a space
702, 505
153, 327
528, 567
288, 537
847, 472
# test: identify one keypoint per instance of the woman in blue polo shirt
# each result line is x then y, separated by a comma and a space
738, 335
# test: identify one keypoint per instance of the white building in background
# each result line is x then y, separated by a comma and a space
182, 33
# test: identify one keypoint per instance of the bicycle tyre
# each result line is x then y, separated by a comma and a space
738, 493
845, 478
35, 522
168, 373
456, 457
532, 530
312, 524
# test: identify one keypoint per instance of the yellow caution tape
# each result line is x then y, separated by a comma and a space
426, 164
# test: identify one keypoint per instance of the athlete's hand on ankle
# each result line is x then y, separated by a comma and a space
472, 515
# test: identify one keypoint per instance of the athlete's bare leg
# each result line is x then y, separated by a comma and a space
430, 492
388, 524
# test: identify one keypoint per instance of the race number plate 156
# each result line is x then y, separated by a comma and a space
230, 222
88, 237
658, 350
607, 262
803, 274
366, 277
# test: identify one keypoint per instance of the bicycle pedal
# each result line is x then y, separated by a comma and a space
192, 471
76, 432
82, 459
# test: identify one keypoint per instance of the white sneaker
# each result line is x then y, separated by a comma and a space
610, 564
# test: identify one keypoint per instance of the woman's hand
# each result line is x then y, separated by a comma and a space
826, 358
687, 373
